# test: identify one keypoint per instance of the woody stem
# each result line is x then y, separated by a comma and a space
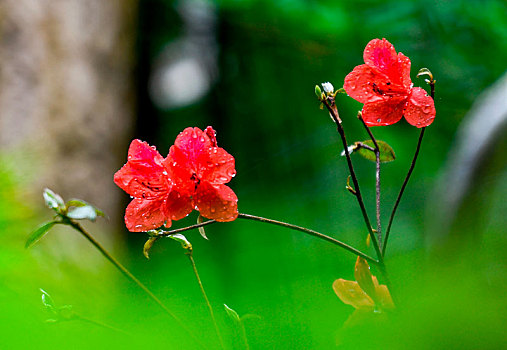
283, 224
334, 115
405, 182
129, 275
377, 178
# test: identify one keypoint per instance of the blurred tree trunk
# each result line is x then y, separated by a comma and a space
66, 93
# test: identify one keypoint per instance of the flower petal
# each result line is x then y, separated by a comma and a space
420, 108
194, 145
143, 176
387, 111
361, 83
404, 71
351, 294
143, 215
380, 54
220, 168
178, 206
216, 202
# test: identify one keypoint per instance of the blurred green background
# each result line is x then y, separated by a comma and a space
248, 68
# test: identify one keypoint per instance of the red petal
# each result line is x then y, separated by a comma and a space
359, 83
143, 175
420, 108
180, 171
220, 169
143, 215
212, 134
178, 206
404, 71
217, 202
384, 112
380, 54
194, 144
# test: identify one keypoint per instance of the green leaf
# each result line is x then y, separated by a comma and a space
233, 315
47, 300
183, 240
36, 235
318, 92
386, 151
80, 213
200, 220
147, 246
424, 71
53, 200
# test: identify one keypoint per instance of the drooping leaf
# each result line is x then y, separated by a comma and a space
183, 240
386, 151
36, 235
84, 212
147, 246
202, 232
364, 278
53, 200
351, 293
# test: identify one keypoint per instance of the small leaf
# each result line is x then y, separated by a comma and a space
47, 300
318, 92
36, 235
351, 293
386, 151
53, 200
424, 71
340, 91
348, 187
200, 220
233, 315
364, 278
147, 246
183, 240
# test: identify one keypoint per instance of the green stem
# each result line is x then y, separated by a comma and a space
283, 224
129, 275
203, 292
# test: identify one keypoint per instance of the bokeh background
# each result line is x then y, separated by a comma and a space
80, 80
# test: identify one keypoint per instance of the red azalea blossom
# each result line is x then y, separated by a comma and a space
383, 84
191, 177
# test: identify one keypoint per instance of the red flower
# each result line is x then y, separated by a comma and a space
199, 170
383, 84
192, 176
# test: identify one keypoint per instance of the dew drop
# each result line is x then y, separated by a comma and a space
212, 210
379, 120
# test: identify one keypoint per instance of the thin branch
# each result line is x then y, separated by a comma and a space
405, 182
203, 292
283, 224
334, 115
377, 177
130, 276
